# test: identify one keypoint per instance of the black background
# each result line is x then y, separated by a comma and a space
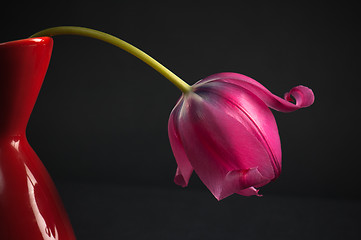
101, 116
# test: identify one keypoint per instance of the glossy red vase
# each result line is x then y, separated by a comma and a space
30, 207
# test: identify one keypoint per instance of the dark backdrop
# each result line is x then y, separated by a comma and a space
101, 116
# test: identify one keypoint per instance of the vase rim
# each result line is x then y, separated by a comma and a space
26, 41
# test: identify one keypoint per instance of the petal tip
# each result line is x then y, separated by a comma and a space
303, 96
251, 191
179, 180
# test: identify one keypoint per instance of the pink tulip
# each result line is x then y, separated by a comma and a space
224, 131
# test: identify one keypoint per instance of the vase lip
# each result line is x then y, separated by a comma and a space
27, 41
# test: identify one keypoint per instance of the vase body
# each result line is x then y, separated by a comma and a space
30, 207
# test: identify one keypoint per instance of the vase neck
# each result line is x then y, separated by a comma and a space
23, 65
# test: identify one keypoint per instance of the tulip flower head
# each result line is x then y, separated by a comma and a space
222, 127
224, 131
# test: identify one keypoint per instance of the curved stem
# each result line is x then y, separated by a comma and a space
87, 32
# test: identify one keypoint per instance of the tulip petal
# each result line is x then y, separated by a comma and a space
248, 109
219, 147
184, 169
304, 96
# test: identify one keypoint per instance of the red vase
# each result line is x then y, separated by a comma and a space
30, 207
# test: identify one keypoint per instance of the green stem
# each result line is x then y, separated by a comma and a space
87, 32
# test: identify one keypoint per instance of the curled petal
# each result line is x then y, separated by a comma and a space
184, 169
182, 178
304, 96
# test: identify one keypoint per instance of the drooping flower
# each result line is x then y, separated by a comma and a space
224, 131
221, 127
